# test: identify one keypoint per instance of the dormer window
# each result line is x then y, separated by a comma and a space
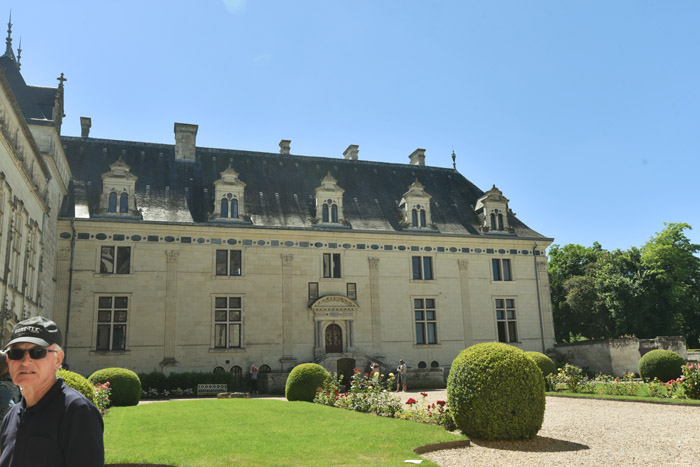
329, 211
229, 194
329, 201
415, 206
493, 209
229, 207
118, 188
418, 218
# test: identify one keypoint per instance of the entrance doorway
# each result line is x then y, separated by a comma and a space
334, 339
346, 368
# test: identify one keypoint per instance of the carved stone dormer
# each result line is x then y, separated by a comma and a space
118, 189
492, 209
415, 207
329, 202
229, 200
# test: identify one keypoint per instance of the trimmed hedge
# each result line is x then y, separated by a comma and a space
79, 383
187, 380
124, 383
304, 380
663, 364
545, 364
495, 392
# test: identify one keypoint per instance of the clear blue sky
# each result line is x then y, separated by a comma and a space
586, 114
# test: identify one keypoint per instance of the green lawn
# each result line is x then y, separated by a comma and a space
224, 432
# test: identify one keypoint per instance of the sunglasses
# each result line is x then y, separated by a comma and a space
35, 353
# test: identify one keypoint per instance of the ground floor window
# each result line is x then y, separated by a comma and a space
426, 320
227, 322
505, 319
112, 314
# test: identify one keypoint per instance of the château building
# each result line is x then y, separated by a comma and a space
179, 258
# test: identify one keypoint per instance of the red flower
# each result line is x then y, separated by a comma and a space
424, 394
411, 401
441, 403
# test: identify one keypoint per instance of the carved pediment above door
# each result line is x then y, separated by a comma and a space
334, 307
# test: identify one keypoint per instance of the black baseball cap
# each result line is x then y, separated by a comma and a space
35, 330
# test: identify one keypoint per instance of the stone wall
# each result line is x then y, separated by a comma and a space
272, 383
615, 356
425, 378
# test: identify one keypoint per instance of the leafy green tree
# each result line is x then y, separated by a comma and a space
671, 259
647, 292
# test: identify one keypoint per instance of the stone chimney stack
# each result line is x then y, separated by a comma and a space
85, 124
351, 152
185, 141
285, 146
417, 157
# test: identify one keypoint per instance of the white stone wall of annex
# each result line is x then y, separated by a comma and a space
171, 295
28, 199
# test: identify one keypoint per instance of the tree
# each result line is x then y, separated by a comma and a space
647, 292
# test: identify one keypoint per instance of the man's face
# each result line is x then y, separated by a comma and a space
30, 373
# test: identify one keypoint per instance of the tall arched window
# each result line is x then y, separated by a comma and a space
224, 207
112, 202
493, 222
334, 213
414, 218
324, 213
422, 217
500, 222
234, 209
237, 373
124, 203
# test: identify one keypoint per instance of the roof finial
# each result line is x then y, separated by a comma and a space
19, 53
8, 41
454, 158
61, 79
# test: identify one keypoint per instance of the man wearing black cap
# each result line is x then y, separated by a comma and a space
53, 425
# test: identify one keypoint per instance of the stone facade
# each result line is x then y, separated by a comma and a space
172, 287
34, 177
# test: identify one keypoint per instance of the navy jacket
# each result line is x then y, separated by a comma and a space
63, 430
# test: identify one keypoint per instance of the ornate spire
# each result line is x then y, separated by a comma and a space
454, 159
8, 41
19, 53
61, 79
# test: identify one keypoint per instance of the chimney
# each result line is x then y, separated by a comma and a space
417, 157
185, 141
351, 152
285, 146
85, 124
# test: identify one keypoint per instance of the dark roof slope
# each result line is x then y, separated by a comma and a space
279, 190
36, 103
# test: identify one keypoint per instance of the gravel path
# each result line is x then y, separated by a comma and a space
593, 432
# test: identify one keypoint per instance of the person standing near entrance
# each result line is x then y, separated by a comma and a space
53, 424
254, 379
401, 371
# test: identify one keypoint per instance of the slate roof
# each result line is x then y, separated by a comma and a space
279, 191
36, 102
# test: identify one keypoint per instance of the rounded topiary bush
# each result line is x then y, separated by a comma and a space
662, 364
79, 383
495, 392
124, 383
303, 382
545, 364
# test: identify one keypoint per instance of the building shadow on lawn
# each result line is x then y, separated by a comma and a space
536, 444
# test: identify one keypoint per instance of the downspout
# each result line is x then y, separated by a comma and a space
70, 286
539, 300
